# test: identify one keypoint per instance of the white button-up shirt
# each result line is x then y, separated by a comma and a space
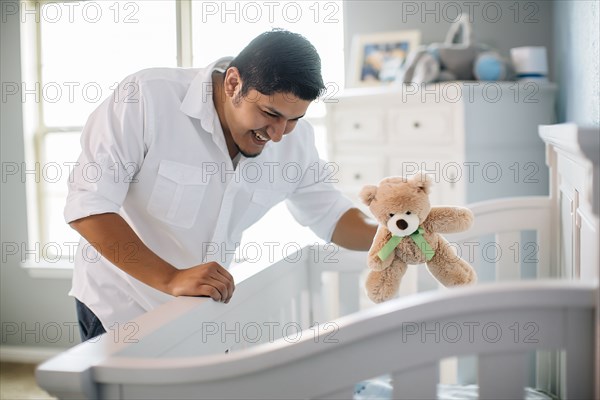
155, 153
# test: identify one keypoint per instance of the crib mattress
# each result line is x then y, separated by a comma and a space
458, 392
381, 389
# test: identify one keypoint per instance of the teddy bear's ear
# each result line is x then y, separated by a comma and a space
367, 194
421, 181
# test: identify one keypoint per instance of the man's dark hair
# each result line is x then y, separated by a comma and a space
280, 61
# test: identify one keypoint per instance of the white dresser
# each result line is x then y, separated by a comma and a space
477, 140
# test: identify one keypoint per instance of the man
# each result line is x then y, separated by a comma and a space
163, 178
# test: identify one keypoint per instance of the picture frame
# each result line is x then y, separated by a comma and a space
376, 58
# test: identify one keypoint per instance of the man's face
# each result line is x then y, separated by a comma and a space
256, 119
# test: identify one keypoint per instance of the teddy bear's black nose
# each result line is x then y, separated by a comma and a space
402, 224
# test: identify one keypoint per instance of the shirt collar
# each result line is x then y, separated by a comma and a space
198, 102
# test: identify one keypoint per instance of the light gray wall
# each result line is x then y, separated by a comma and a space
499, 24
576, 40
33, 312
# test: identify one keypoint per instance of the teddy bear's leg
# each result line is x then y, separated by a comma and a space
383, 285
448, 268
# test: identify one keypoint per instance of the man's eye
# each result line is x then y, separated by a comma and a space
270, 115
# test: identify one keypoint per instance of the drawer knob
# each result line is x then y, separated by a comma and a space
416, 124
357, 176
356, 125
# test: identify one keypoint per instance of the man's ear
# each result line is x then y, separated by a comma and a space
232, 82
367, 194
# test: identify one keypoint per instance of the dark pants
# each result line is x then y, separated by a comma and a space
89, 325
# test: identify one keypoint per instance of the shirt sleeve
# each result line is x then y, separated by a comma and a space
112, 150
316, 202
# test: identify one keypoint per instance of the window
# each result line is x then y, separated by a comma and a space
75, 53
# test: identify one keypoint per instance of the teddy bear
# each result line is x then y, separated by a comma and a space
410, 233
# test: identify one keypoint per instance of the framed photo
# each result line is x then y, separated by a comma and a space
376, 58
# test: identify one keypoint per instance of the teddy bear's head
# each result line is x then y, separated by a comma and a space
399, 203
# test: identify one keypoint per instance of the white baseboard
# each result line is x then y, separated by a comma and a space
27, 355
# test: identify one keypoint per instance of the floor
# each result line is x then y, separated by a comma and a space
17, 382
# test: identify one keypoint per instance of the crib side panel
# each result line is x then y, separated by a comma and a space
268, 305
574, 197
407, 353
509, 239
572, 153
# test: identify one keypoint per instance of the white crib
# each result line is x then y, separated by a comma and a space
300, 328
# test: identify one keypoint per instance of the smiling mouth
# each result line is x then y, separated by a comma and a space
260, 137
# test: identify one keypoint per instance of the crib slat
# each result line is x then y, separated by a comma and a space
503, 375
544, 257
547, 363
418, 383
304, 308
508, 256
448, 370
316, 295
348, 292
580, 342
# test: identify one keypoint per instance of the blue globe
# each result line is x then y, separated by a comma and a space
489, 67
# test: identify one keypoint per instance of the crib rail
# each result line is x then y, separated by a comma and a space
508, 235
405, 337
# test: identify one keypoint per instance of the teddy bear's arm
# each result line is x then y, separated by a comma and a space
380, 239
448, 219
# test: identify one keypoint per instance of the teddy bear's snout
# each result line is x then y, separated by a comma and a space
402, 224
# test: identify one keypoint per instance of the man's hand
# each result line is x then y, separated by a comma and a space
110, 231
209, 279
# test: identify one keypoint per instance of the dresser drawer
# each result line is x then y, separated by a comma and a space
448, 177
358, 171
359, 125
421, 126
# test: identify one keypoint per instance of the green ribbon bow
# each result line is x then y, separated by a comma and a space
416, 236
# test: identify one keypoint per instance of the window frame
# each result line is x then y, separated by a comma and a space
36, 132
